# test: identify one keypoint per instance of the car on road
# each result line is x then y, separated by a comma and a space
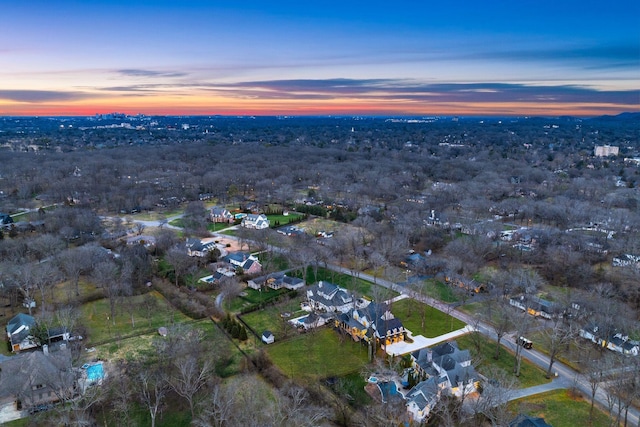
528, 344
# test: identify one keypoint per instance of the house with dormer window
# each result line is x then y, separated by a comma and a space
256, 221
447, 369
325, 296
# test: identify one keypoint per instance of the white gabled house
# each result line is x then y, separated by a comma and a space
256, 221
325, 296
445, 369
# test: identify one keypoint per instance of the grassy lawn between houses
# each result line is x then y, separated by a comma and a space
318, 354
440, 291
436, 323
149, 311
530, 374
560, 409
282, 219
270, 317
133, 348
252, 296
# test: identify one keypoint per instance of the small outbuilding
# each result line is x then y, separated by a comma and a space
267, 337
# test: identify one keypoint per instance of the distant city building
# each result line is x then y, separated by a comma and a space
606, 150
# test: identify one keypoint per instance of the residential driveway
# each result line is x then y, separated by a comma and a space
556, 384
419, 342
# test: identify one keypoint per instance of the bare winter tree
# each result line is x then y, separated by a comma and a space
182, 263
151, 387
105, 274
557, 339
73, 262
497, 313
496, 393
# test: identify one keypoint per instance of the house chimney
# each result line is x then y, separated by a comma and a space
45, 349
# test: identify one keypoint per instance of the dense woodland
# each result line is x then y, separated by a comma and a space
442, 186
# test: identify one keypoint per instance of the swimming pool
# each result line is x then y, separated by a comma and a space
298, 321
387, 389
95, 372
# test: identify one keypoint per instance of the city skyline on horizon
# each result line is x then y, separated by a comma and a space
201, 58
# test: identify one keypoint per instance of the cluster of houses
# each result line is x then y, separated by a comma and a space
256, 221
276, 281
626, 260
442, 369
609, 338
233, 264
612, 340
40, 374
535, 306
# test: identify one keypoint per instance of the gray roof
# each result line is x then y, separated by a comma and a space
527, 421
423, 393
19, 327
49, 372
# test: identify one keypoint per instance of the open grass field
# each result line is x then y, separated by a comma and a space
409, 311
65, 292
282, 219
319, 354
133, 348
530, 374
315, 225
270, 317
560, 409
252, 296
135, 314
440, 291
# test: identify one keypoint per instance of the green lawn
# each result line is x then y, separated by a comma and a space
560, 409
270, 317
283, 220
252, 296
217, 226
65, 291
530, 374
409, 311
440, 291
178, 222
22, 422
149, 311
318, 354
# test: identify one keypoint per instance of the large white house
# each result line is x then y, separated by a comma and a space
328, 297
256, 221
445, 368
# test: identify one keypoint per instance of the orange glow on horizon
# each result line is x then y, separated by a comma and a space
198, 105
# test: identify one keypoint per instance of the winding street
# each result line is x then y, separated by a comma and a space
566, 377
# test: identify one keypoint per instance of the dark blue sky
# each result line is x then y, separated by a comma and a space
206, 57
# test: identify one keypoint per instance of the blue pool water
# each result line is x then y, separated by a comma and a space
387, 389
301, 320
95, 372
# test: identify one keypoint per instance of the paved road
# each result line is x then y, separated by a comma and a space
567, 377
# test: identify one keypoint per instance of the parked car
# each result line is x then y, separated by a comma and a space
528, 344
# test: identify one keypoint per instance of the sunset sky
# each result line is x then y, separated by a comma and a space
320, 57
